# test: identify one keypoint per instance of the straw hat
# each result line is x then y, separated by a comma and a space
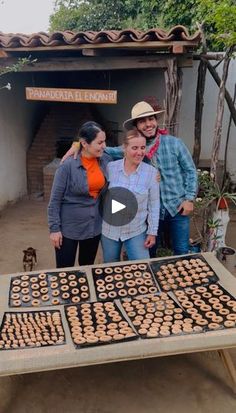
140, 110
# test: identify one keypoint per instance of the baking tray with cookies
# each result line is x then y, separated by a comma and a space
97, 323
31, 329
46, 289
187, 271
211, 306
119, 281
158, 315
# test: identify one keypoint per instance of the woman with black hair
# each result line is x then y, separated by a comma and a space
73, 214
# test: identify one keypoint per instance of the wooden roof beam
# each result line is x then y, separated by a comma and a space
149, 45
61, 64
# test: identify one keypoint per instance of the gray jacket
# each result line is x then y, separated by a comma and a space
72, 210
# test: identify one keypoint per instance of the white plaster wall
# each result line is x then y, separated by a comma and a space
18, 120
186, 129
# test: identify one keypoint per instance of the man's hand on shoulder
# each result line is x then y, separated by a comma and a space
73, 151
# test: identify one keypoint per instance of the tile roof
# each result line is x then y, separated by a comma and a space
69, 38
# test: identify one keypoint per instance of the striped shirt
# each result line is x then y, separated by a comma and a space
143, 184
178, 172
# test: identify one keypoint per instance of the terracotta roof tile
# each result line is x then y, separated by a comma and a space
32, 41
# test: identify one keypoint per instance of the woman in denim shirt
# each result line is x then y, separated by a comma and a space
73, 213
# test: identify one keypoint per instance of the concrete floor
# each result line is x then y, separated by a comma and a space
196, 383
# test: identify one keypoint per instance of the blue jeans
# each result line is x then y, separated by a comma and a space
134, 248
179, 228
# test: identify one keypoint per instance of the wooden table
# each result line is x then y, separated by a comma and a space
65, 356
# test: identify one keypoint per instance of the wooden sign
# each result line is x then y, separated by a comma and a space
71, 95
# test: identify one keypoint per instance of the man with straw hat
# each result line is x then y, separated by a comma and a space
178, 182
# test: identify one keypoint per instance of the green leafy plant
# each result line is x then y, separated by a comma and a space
206, 204
210, 192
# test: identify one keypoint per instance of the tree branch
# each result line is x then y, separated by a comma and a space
228, 98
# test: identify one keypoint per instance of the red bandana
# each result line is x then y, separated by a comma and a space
154, 148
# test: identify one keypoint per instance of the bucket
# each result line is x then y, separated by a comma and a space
227, 256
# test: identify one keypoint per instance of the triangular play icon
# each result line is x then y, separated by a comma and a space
116, 206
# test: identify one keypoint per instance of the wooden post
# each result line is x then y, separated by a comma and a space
173, 80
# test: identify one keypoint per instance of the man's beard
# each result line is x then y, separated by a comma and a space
149, 138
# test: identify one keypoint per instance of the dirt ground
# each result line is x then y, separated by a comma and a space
196, 383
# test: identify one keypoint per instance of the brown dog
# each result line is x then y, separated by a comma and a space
29, 259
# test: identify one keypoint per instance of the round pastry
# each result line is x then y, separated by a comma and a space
118, 270
84, 288
122, 292
62, 274
16, 282
102, 296
85, 295
131, 283
33, 280
24, 284
126, 268
229, 323
142, 266
118, 277
112, 294
152, 290
142, 290
217, 292
224, 298
15, 296
105, 338
128, 275
201, 289
201, 322
35, 294
82, 280
205, 307
71, 277
217, 306
213, 326
63, 281
43, 290
109, 278
73, 283
120, 285
98, 271
108, 270
223, 311
231, 317
26, 298
35, 303
147, 275
55, 301
75, 299
64, 287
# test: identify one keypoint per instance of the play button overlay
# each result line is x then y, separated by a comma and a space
116, 206
119, 206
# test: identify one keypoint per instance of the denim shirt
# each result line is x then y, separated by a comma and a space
72, 210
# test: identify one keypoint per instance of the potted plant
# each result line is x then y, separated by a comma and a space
212, 211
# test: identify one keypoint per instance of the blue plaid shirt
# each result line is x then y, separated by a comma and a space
177, 169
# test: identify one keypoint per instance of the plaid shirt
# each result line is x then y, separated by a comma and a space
145, 187
178, 173
177, 169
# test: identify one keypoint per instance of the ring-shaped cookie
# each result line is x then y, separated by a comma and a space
108, 270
